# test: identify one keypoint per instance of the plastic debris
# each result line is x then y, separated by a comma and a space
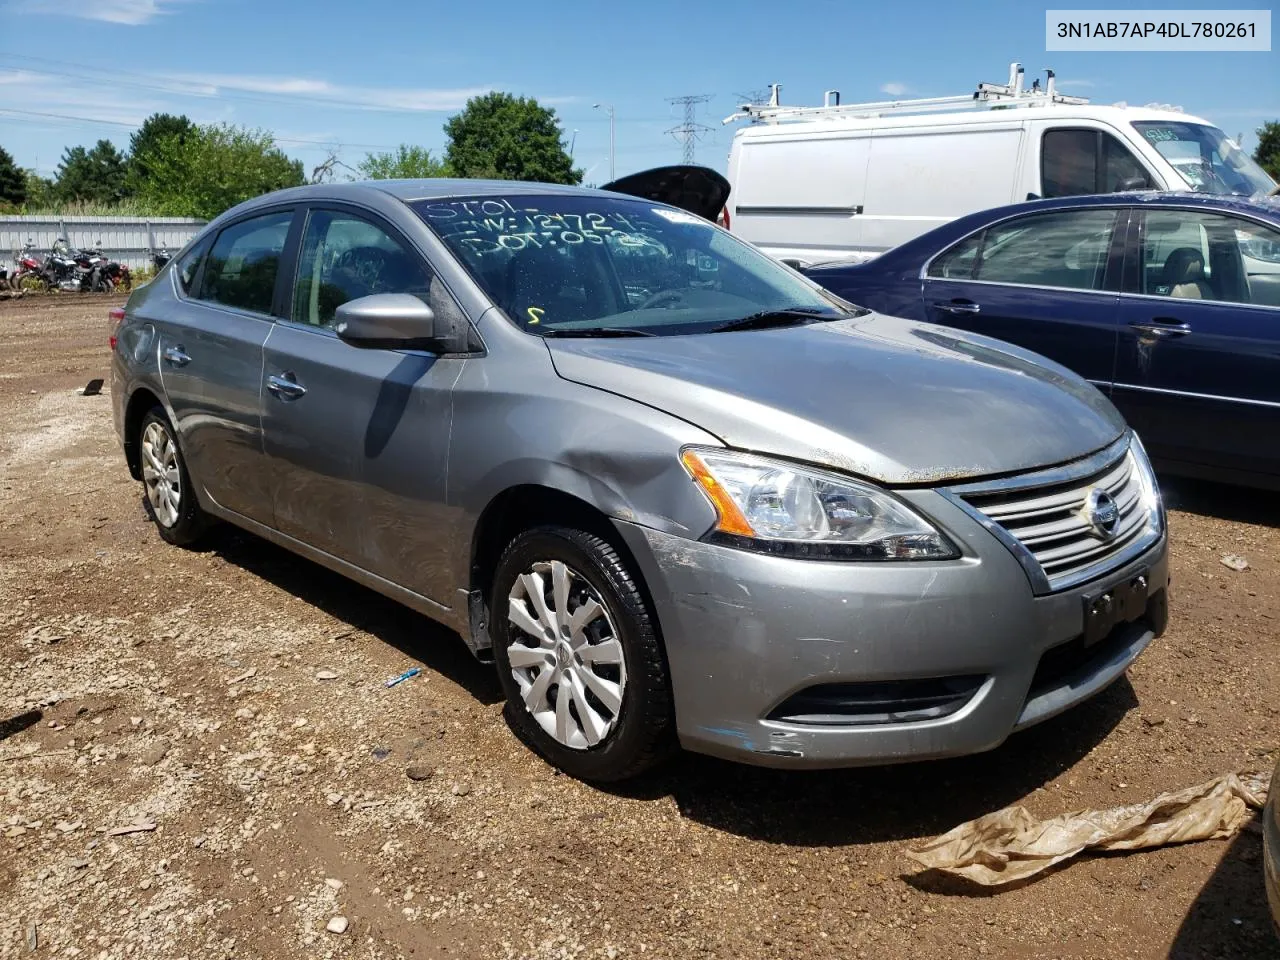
411, 672
1011, 845
92, 388
1233, 562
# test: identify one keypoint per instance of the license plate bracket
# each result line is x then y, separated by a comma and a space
1119, 603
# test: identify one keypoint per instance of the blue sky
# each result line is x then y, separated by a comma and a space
361, 77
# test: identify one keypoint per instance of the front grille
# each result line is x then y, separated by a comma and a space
1045, 515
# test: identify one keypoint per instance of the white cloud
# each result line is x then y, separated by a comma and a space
129, 12
893, 89
408, 99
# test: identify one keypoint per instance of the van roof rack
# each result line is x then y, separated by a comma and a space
999, 95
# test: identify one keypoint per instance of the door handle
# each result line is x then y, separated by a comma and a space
1163, 328
176, 356
957, 306
285, 387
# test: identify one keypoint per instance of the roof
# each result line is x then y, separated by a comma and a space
1266, 206
964, 116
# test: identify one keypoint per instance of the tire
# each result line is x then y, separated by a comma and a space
629, 724
179, 519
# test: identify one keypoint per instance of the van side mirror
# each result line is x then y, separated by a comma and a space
1133, 183
387, 321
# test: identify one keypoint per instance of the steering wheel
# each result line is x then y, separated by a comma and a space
661, 297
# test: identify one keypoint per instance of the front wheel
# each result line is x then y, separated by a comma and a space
579, 656
173, 506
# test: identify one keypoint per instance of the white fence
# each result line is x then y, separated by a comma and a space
127, 239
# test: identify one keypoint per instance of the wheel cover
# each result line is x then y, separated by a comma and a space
160, 474
565, 654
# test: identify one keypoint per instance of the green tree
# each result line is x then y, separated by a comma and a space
407, 163
142, 145
40, 190
1267, 154
95, 175
13, 183
510, 138
212, 168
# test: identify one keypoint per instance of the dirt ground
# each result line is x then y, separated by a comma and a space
180, 693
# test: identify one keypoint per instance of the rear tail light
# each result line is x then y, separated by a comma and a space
724, 218
117, 317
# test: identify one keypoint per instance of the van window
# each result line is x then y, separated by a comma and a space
1045, 250
1068, 162
1205, 157
1075, 162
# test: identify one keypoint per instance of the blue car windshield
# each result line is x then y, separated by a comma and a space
1206, 158
560, 263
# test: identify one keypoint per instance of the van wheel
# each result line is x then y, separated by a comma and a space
578, 656
170, 499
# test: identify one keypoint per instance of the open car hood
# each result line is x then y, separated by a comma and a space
700, 190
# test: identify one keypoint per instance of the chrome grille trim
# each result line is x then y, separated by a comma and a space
1039, 516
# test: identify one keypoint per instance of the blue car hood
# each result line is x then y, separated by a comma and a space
892, 400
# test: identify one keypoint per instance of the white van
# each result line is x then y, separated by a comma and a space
851, 181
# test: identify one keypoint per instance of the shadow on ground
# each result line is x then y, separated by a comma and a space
435, 647
15, 725
1234, 504
1229, 917
808, 808
875, 804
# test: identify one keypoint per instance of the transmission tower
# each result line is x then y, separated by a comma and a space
689, 132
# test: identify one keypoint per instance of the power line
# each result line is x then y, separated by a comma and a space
133, 126
689, 132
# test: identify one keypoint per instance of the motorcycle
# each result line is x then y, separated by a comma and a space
100, 275
160, 258
28, 269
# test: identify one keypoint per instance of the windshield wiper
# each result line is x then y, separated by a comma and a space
786, 317
596, 332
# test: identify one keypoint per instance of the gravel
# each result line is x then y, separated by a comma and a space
461, 843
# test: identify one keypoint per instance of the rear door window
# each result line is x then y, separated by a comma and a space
244, 262
1066, 249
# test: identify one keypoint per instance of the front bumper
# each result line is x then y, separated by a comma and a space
744, 632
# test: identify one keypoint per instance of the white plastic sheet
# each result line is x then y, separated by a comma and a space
1011, 845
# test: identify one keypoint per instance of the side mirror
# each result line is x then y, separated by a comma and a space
1133, 183
388, 321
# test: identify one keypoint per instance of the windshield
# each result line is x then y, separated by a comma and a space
1206, 158
565, 265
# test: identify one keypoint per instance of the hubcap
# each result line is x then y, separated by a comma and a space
565, 654
160, 474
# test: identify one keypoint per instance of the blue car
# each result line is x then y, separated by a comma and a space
1168, 302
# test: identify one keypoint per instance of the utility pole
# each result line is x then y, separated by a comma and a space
689, 132
609, 108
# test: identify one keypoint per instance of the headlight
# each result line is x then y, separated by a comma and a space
779, 508
1152, 502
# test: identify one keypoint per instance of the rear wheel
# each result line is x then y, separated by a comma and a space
173, 506
579, 656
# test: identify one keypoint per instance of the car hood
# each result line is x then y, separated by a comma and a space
892, 400
699, 190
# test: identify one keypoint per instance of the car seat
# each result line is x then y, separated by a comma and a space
1184, 275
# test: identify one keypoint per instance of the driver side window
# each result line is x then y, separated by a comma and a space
345, 257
